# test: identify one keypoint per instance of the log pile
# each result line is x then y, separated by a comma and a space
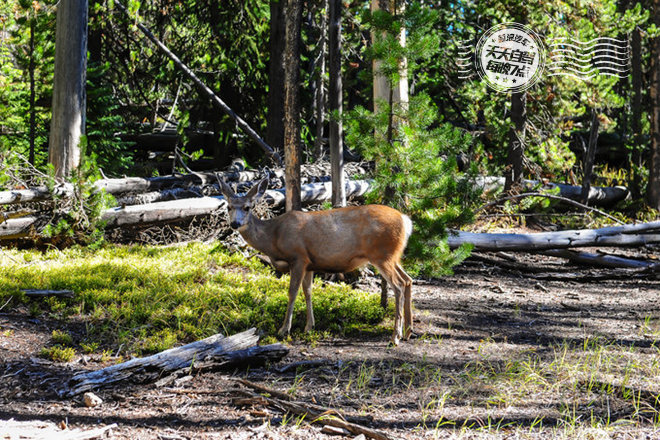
157, 200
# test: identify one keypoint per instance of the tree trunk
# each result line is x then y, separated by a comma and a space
319, 109
589, 157
638, 148
292, 104
384, 90
392, 94
335, 101
68, 121
514, 170
33, 110
653, 193
275, 122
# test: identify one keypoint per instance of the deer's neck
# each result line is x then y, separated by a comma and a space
258, 234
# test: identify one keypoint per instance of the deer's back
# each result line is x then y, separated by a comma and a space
340, 240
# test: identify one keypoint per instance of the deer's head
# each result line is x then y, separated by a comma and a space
239, 207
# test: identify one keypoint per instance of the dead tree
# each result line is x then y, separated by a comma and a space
69, 100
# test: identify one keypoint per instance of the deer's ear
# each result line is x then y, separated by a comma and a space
226, 189
258, 190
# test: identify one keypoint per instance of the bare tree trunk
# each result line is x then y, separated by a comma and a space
335, 101
589, 156
514, 171
275, 130
653, 192
636, 110
320, 88
292, 105
31, 68
382, 86
68, 122
393, 94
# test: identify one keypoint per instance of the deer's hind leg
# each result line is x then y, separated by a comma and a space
388, 270
407, 302
307, 290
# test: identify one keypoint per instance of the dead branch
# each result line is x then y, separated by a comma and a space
314, 413
41, 293
210, 94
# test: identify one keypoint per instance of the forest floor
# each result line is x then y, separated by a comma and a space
541, 349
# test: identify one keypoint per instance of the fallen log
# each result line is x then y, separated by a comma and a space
604, 260
145, 184
188, 208
626, 235
160, 196
37, 194
597, 196
161, 363
17, 227
251, 357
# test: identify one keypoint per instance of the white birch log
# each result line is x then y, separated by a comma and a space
626, 235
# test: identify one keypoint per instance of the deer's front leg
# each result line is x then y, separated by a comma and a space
297, 272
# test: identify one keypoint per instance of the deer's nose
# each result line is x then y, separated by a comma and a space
234, 224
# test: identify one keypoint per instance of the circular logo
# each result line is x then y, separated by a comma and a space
510, 57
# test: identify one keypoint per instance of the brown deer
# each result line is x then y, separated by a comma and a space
336, 240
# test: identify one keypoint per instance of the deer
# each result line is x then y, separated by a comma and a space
337, 240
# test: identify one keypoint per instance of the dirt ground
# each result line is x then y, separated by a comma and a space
491, 348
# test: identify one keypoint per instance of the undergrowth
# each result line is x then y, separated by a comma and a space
145, 299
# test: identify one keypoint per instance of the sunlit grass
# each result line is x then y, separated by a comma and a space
149, 298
